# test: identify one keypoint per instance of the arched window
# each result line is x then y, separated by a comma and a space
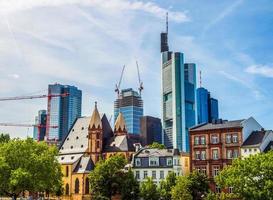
67, 189
77, 186
66, 171
86, 186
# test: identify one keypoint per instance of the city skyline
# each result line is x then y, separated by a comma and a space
230, 44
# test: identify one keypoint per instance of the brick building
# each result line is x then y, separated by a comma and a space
214, 145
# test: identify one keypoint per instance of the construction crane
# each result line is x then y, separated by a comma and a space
39, 126
139, 80
49, 96
117, 90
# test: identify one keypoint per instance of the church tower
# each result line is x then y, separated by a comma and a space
120, 126
95, 136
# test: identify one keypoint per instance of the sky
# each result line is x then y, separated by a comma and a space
86, 42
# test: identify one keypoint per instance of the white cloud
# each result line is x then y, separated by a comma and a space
114, 5
262, 70
14, 76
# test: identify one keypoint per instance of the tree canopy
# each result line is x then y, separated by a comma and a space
166, 185
251, 178
181, 190
28, 165
4, 138
156, 145
148, 190
199, 184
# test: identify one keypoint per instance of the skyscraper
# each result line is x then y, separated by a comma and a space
178, 98
130, 104
151, 130
63, 111
39, 131
207, 107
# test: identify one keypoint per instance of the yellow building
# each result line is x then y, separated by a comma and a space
90, 139
185, 160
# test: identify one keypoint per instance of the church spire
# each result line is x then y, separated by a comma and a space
95, 121
120, 126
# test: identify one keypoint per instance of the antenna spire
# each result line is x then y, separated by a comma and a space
200, 78
167, 23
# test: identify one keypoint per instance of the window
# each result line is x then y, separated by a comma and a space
255, 150
250, 150
138, 162
77, 186
230, 189
66, 171
217, 189
215, 154
86, 186
203, 140
82, 146
62, 158
204, 170
214, 139
228, 138
229, 154
161, 174
137, 175
67, 189
145, 174
235, 138
82, 128
197, 155
77, 138
98, 144
245, 150
235, 153
154, 161
71, 147
196, 140
203, 155
169, 161
215, 170
154, 174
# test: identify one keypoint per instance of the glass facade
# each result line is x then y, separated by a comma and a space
207, 107
130, 105
40, 120
63, 110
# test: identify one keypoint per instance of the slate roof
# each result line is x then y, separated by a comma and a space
269, 147
85, 165
255, 138
120, 143
69, 158
147, 152
224, 124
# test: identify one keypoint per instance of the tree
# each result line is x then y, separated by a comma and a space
28, 165
199, 184
106, 178
157, 145
221, 196
251, 178
181, 190
4, 138
129, 187
166, 186
148, 190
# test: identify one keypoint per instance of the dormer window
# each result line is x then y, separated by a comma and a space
138, 162
169, 161
72, 157
62, 148
154, 161
62, 158
71, 147
82, 128
73, 130
77, 137
67, 138
82, 146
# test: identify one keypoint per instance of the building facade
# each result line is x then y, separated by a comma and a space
178, 98
89, 139
207, 107
214, 145
156, 163
150, 130
130, 104
64, 110
39, 130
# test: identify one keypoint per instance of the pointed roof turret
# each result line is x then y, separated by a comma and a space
95, 121
120, 125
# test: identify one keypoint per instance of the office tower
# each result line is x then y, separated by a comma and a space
39, 130
62, 110
150, 130
130, 104
207, 107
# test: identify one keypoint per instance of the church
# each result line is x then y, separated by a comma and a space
90, 139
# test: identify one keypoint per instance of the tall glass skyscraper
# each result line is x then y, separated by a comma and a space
63, 110
207, 107
130, 104
178, 97
40, 120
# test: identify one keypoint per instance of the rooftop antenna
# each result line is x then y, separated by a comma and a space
200, 78
167, 23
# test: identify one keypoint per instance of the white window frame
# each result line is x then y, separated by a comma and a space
153, 161
213, 155
138, 162
169, 161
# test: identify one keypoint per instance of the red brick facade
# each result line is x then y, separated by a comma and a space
211, 150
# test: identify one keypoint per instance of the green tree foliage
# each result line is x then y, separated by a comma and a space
156, 145
4, 138
221, 196
199, 184
166, 185
28, 165
130, 187
181, 191
106, 178
148, 190
251, 178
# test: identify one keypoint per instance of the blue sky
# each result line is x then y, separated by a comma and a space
86, 42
